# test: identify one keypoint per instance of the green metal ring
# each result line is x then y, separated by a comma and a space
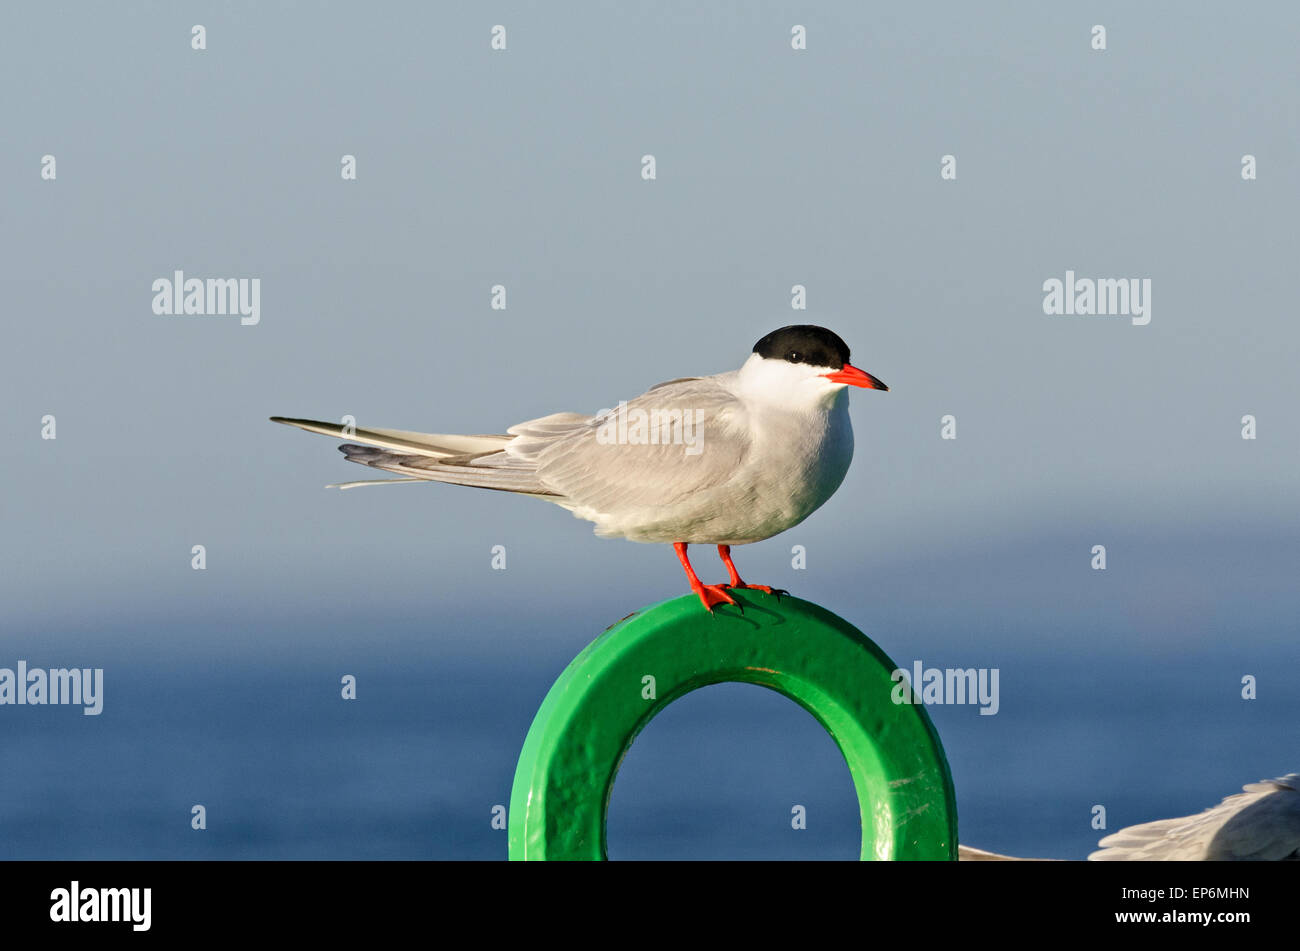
596, 708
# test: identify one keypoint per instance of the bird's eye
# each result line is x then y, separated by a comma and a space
795, 356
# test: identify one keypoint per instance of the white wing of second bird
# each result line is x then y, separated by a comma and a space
1261, 823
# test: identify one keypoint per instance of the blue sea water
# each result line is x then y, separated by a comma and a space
414, 766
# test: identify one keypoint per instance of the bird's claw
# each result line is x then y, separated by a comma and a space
715, 594
759, 587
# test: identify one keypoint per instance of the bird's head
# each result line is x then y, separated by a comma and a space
801, 365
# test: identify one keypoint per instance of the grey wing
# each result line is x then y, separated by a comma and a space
584, 462
484, 462
597, 465
1262, 822
1183, 839
1266, 827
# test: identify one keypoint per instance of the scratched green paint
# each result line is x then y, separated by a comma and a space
596, 708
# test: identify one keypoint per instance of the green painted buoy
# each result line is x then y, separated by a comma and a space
610, 691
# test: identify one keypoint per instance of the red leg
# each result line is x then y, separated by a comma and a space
724, 552
710, 594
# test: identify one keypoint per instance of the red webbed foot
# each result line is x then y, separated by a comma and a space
724, 552
712, 595
758, 587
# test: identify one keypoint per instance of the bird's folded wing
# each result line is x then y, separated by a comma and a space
675, 440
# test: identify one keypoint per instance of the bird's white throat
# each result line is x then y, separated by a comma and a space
779, 384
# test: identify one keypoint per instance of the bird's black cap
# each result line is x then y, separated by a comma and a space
804, 343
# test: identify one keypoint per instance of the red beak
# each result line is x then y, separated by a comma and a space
855, 377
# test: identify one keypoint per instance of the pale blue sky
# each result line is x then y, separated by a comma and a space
522, 168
